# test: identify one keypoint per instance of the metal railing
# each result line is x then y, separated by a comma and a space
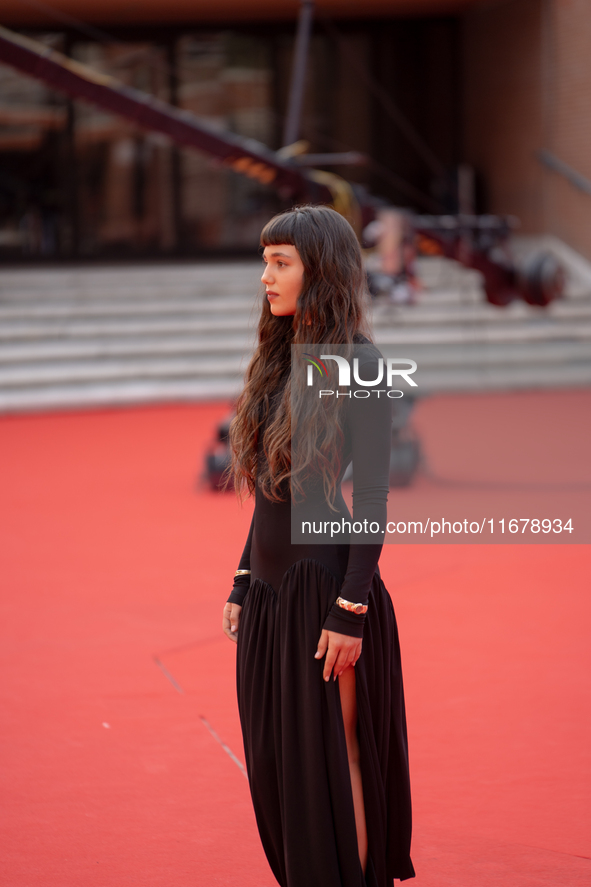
576, 179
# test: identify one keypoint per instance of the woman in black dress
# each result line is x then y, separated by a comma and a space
319, 679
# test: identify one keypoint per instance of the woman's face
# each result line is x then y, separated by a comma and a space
283, 278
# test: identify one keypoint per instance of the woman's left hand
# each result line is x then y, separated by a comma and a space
341, 652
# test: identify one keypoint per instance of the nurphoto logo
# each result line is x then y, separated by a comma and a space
392, 370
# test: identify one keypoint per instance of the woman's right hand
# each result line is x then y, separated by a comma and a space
231, 620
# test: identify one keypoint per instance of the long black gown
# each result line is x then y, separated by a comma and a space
292, 725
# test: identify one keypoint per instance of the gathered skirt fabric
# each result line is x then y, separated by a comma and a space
294, 739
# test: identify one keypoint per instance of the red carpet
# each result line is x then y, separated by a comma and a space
112, 560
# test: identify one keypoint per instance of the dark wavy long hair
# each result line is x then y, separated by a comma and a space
331, 309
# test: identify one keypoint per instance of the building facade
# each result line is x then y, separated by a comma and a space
417, 88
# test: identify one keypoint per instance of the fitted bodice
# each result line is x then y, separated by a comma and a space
269, 551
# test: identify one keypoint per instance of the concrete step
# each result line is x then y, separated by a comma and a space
148, 390
221, 276
466, 368
122, 394
56, 349
436, 349
45, 374
428, 310
245, 312
74, 309
124, 335
483, 333
405, 328
164, 324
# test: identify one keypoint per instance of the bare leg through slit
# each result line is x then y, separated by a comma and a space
348, 692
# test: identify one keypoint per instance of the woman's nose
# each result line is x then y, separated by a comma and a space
267, 277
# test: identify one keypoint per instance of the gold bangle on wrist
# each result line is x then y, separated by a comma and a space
359, 609
241, 573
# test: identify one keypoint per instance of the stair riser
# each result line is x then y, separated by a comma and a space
99, 337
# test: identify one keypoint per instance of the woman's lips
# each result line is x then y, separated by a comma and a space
271, 295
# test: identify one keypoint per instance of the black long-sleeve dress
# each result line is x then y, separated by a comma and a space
292, 725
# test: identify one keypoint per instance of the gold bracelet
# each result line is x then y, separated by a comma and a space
241, 573
359, 609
